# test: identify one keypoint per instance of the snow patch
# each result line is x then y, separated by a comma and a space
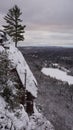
58, 74
1, 49
38, 122
11, 120
21, 66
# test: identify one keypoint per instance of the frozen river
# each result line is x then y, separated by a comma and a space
58, 74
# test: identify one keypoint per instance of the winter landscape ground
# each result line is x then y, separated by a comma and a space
55, 97
17, 106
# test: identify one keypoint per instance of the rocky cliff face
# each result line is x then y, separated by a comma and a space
13, 115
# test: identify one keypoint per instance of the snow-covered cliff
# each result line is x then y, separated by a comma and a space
19, 62
15, 117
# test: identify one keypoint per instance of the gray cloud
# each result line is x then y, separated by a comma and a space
42, 12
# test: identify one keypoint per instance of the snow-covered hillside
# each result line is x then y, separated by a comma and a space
2, 22
17, 118
19, 62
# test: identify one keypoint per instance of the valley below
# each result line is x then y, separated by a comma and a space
55, 97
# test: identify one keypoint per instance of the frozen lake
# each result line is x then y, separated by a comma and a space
58, 74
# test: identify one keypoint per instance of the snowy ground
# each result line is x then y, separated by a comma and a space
1, 49
21, 66
9, 120
58, 74
18, 119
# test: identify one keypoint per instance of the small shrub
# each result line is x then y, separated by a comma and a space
7, 92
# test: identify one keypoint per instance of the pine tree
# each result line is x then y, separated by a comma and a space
14, 27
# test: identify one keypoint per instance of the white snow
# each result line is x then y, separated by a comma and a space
18, 119
58, 74
1, 49
8, 118
2, 104
21, 66
55, 64
39, 122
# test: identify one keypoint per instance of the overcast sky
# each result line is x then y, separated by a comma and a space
43, 13
45, 16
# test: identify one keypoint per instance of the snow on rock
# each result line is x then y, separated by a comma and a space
38, 122
19, 62
1, 49
5, 122
12, 120
2, 104
18, 119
